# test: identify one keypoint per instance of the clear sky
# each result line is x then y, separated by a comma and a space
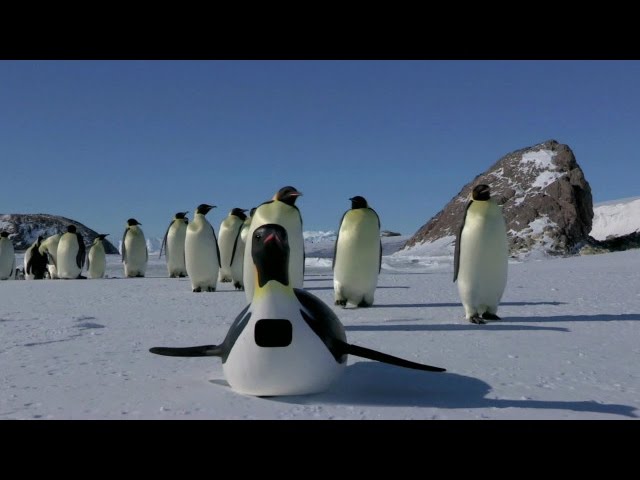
103, 141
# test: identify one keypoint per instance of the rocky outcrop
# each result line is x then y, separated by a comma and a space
546, 201
27, 228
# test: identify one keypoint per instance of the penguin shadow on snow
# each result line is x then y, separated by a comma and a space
379, 384
450, 304
625, 317
448, 327
331, 288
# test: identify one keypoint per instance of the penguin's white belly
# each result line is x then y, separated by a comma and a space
201, 258
67, 253
175, 250
136, 259
356, 268
303, 367
482, 274
237, 266
290, 220
7, 259
97, 262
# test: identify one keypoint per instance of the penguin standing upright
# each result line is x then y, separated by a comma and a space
71, 254
202, 256
357, 255
49, 247
173, 243
35, 263
229, 242
134, 250
481, 257
97, 260
7, 256
280, 210
287, 341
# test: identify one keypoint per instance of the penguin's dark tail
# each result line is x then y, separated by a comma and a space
199, 351
385, 358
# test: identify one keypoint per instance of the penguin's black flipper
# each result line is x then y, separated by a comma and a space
199, 351
385, 358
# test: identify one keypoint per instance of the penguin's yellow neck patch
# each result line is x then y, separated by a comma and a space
270, 288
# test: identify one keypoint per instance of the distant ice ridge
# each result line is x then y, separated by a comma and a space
616, 217
314, 236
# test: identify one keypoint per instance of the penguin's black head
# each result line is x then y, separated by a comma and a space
270, 253
181, 215
132, 221
481, 192
71, 228
203, 208
288, 195
358, 202
239, 212
253, 210
40, 239
4, 234
102, 236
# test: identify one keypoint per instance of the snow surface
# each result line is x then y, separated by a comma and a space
567, 347
616, 217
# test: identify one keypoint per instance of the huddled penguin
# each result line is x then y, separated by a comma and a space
357, 255
287, 341
173, 244
481, 257
134, 250
280, 210
201, 252
35, 263
49, 247
231, 257
71, 254
7, 257
97, 259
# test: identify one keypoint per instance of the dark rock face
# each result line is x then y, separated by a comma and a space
28, 227
611, 244
546, 201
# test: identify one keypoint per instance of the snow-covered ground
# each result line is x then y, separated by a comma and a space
567, 347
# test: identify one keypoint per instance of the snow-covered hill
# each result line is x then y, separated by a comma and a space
616, 217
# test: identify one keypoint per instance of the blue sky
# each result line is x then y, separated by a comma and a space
103, 141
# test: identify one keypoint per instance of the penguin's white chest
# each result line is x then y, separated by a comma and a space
7, 258
482, 274
97, 261
357, 261
277, 353
229, 230
200, 252
67, 252
175, 247
136, 251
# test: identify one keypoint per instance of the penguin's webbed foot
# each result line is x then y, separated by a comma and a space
225, 279
490, 316
477, 319
342, 303
197, 290
364, 304
211, 289
238, 286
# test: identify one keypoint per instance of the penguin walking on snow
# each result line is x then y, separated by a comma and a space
357, 255
134, 250
97, 260
173, 244
7, 257
49, 247
481, 257
202, 256
71, 254
280, 210
287, 341
229, 242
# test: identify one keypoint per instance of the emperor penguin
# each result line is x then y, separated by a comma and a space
286, 341
231, 259
97, 260
357, 255
71, 254
7, 257
481, 257
49, 247
280, 210
35, 263
202, 256
134, 250
173, 244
